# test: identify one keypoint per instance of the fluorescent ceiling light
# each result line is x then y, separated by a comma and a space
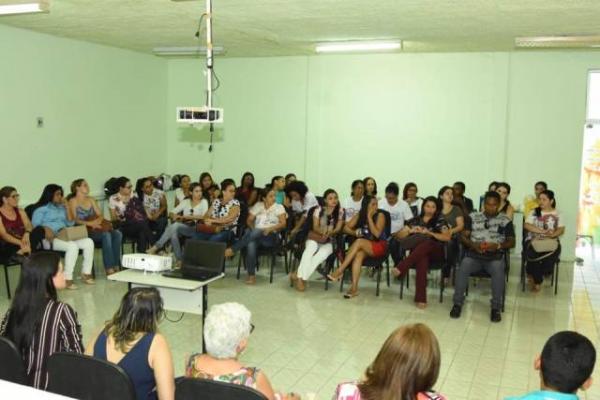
27, 7
186, 51
349, 47
564, 41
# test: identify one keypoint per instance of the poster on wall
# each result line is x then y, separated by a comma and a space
588, 219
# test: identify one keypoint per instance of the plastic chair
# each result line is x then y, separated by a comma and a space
12, 368
87, 378
204, 389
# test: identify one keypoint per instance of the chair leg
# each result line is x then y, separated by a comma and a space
239, 265
7, 281
378, 279
271, 275
556, 277
401, 288
342, 280
387, 267
442, 286
523, 273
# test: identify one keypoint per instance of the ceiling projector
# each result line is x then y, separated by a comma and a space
199, 115
147, 262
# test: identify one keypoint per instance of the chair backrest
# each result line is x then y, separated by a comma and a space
12, 368
388, 223
204, 389
29, 210
87, 378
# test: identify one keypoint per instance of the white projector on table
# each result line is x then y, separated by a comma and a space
199, 115
147, 262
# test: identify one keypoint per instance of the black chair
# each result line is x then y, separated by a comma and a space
439, 266
271, 252
6, 264
482, 274
377, 263
12, 368
204, 389
87, 378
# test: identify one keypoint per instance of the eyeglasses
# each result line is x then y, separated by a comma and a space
251, 328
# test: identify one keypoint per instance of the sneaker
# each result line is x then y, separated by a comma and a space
495, 315
455, 312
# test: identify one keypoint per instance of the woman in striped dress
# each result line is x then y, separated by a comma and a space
36, 322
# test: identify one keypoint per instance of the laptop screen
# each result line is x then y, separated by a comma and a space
204, 254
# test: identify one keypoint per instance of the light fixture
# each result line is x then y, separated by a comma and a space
564, 41
185, 51
358, 46
24, 7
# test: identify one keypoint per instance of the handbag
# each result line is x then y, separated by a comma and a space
105, 225
134, 211
203, 228
412, 241
544, 245
312, 235
72, 233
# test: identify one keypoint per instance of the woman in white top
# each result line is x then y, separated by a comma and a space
187, 213
184, 190
409, 195
302, 201
265, 219
352, 203
327, 222
544, 222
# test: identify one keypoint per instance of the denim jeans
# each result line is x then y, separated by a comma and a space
111, 246
252, 240
190, 232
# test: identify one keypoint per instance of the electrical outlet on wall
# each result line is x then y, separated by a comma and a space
40, 122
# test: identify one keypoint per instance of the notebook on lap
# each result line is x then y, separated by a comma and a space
202, 261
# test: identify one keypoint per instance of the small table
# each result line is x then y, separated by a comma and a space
183, 295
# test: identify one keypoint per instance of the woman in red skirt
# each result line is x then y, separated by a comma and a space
368, 227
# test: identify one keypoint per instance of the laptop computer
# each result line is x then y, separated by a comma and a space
202, 260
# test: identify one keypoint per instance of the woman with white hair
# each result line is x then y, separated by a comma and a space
226, 331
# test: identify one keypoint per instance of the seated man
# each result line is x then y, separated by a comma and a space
566, 365
486, 235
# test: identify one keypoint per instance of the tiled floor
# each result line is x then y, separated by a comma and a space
308, 342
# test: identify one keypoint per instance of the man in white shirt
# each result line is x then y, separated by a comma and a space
400, 212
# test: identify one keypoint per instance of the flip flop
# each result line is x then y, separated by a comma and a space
349, 295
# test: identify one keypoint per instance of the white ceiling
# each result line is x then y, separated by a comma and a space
291, 27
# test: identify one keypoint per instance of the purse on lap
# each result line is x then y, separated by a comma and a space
72, 233
203, 228
544, 245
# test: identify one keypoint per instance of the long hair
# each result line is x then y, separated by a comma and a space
47, 195
364, 208
336, 210
244, 176
34, 291
406, 188
438, 208
139, 187
298, 187
140, 311
6, 191
550, 195
204, 175
355, 183
374, 185
505, 186
74, 185
407, 364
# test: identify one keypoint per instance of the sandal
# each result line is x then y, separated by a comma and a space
333, 277
88, 279
349, 295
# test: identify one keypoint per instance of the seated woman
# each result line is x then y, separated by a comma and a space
406, 367
543, 223
131, 340
52, 214
219, 222
36, 322
265, 220
128, 212
191, 210
212, 193
531, 201
227, 329
326, 224
155, 204
453, 215
368, 227
18, 237
206, 181
370, 186
85, 211
426, 248
505, 207
409, 195
491, 188
352, 204
302, 201
247, 192
183, 190
289, 178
